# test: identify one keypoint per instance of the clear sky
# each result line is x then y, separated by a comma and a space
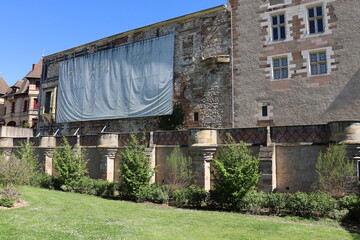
32, 28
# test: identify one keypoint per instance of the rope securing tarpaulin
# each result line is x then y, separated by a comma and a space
129, 81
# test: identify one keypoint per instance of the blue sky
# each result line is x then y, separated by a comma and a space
31, 28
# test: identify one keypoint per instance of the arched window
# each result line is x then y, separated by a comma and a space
11, 123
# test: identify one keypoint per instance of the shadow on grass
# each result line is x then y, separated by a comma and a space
353, 227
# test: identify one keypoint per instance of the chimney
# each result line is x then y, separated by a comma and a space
33, 67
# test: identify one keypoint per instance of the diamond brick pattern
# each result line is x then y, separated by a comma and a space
17, 141
89, 140
71, 139
171, 138
125, 137
247, 135
314, 134
35, 141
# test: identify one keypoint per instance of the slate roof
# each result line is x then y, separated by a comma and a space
3, 86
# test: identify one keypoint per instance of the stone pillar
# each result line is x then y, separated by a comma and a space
203, 146
352, 141
6, 145
48, 144
150, 153
108, 147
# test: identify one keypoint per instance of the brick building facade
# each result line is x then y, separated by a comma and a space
296, 62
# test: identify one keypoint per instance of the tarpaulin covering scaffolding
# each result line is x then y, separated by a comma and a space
129, 81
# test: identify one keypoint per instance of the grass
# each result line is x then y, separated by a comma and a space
60, 215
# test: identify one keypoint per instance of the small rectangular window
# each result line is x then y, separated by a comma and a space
318, 63
274, 2
316, 19
264, 111
36, 104
196, 116
12, 107
278, 27
25, 107
280, 68
47, 108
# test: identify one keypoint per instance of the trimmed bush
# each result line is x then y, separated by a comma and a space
153, 193
192, 196
313, 205
253, 202
352, 204
276, 202
235, 172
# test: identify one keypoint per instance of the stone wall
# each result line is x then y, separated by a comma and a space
301, 98
287, 155
201, 72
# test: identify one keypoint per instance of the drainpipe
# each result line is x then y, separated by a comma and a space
232, 66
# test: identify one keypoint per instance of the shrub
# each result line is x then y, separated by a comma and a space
314, 205
10, 192
70, 166
27, 154
135, 170
86, 185
153, 193
235, 173
276, 202
178, 169
351, 203
253, 202
14, 171
6, 202
193, 196
336, 173
45, 181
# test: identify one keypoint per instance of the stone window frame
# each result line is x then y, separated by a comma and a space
318, 62
303, 12
267, 17
307, 63
291, 67
270, 113
278, 26
316, 19
281, 68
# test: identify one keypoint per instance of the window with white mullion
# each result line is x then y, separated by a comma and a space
278, 27
318, 63
316, 19
280, 68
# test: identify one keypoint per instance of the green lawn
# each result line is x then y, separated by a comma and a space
59, 215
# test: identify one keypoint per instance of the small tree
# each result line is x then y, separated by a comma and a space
178, 169
70, 165
336, 173
14, 171
235, 172
135, 171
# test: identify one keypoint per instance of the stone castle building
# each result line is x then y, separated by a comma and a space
21, 100
281, 75
251, 63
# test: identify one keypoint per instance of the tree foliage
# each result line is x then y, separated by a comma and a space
235, 172
135, 171
336, 173
178, 169
70, 165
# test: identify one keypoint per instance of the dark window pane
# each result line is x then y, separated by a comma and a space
284, 62
282, 33
319, 11
285, 73
311, 12
314, 70
323, 68
320, 24
322, 56
313, 57
276, 74
274, 20
276, 63
281, 19
275, 34
312, 26
264, 111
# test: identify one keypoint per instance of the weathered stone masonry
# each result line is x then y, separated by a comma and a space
201, 72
